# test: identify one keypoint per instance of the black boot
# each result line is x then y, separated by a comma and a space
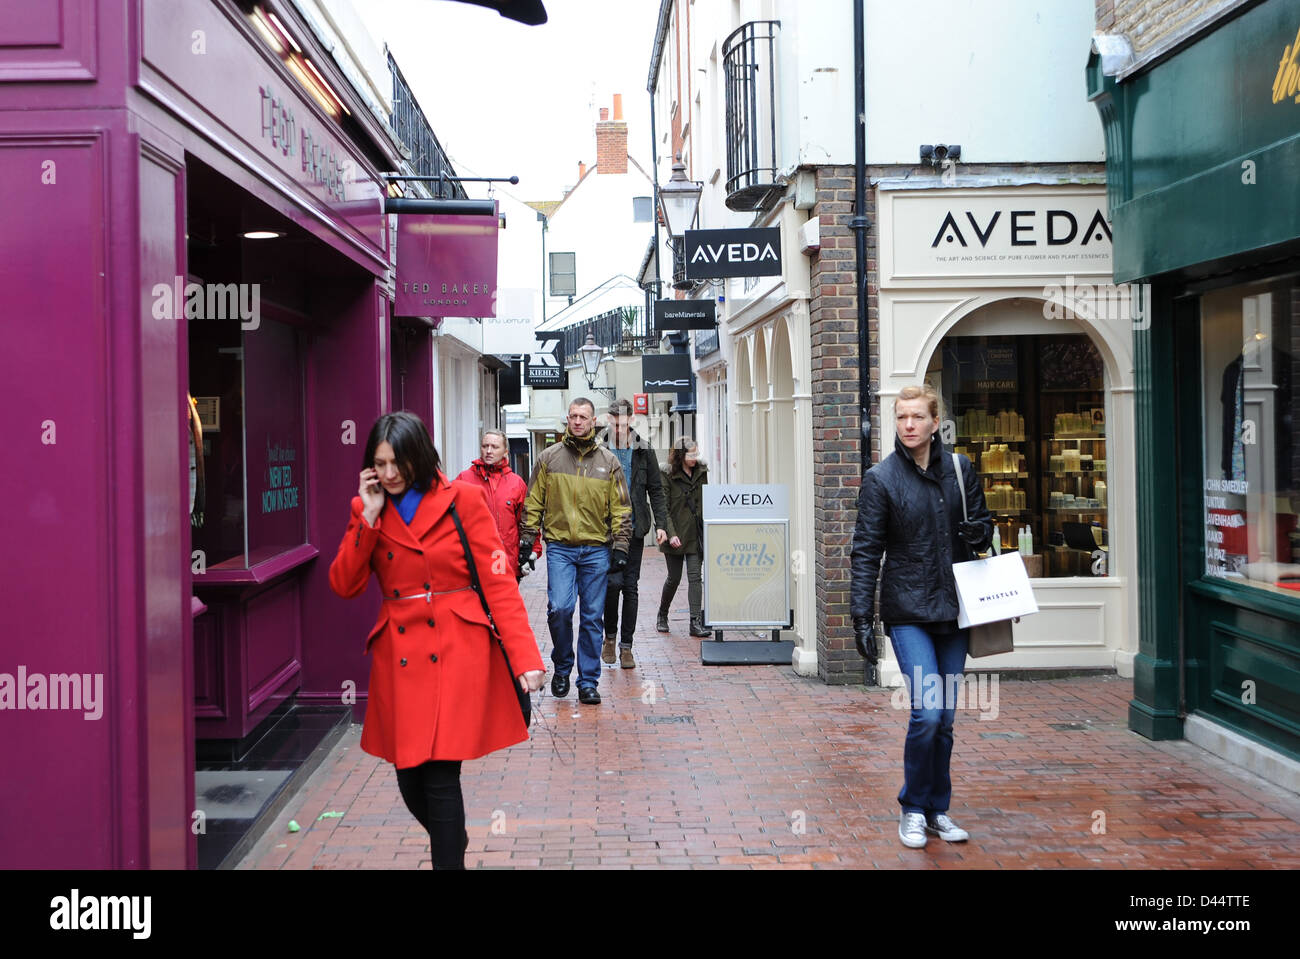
698, 628
661, 623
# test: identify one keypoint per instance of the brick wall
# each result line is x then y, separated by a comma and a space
1150, 23
611, 144
833, 325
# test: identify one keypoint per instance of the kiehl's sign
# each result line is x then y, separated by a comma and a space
720, 254
937, 234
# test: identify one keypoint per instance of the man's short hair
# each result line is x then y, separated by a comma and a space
583, 401
620, 408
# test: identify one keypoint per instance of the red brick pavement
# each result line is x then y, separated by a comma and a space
688, 766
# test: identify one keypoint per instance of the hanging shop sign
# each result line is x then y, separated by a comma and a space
685, 315
666, 373
544, 370
719, 254
746, 550
446, 265
510, 332
641, 404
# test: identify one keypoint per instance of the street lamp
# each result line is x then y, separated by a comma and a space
591, 355
680, 198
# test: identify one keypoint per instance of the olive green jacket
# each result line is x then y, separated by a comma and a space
578, 495
685, 509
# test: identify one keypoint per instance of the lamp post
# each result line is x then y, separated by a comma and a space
591, 354
679, 199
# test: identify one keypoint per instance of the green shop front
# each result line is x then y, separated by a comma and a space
1203, 176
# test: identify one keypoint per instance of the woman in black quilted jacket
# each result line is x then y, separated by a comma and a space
910, 512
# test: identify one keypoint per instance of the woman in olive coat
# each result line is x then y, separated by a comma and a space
684, 482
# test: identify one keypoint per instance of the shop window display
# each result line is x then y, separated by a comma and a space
253, 455
1029, 412
1250, 358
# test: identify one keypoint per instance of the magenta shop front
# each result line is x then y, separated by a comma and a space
186, 408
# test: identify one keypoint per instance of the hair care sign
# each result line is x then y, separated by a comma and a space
446, 265
746, 555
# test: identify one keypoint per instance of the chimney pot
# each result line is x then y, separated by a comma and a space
604, 114
618, 106
582, 169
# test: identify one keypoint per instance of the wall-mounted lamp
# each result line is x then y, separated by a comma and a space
591, 355
679, 198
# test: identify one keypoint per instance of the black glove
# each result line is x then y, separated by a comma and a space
525, 551
864, 637
618, 561
971, 533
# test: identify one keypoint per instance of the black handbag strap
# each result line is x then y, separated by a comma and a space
474, 583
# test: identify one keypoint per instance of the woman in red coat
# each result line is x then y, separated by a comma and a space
439, 690
505, 491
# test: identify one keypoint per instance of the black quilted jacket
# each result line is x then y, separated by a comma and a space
911, 518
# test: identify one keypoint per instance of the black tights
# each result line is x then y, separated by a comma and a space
432, 793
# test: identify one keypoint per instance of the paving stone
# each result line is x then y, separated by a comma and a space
751, 767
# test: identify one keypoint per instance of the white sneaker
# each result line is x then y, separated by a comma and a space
945, 828
911, 829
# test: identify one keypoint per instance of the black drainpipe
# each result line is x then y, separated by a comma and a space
859, 224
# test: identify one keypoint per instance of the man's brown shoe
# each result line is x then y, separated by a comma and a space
625, 660
607, 651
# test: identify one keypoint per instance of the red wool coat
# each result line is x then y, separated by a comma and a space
438, 682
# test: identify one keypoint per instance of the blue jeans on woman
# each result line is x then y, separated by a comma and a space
575, 576
941, 657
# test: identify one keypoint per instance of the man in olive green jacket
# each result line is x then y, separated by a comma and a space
578, 495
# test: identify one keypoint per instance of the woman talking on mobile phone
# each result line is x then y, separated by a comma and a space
440, 691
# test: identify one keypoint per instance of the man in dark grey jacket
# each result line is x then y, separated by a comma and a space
644, 481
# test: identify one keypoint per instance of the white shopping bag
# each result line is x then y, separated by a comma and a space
992, 589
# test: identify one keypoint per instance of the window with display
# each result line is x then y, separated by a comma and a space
1250, 358
1030, 413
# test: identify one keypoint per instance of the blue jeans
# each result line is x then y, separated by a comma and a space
941, 657
576, 574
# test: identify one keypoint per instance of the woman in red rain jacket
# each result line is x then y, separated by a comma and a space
505, 491
439, 687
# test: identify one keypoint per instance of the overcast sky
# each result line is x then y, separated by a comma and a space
506, 99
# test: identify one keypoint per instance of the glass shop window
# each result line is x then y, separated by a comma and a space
247, 504
1250, 350
1030, 413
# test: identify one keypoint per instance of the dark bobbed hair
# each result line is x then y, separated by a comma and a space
412, 448
677, 453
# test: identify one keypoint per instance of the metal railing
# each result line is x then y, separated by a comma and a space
749, 65
623, 332
409, 123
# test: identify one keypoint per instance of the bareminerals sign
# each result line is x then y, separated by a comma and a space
746, 555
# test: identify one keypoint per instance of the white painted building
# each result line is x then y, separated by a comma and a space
778, 396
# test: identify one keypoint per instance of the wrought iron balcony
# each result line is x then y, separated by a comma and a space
623, 332
412, 128
749, 65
